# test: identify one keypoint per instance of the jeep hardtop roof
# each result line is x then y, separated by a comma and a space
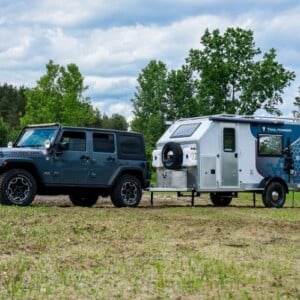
42, 125
244, 119
80, 128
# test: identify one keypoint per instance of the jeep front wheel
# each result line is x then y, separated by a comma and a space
127, 192
17, 187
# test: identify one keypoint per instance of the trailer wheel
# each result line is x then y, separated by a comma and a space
220, 199
274, 195
172, 155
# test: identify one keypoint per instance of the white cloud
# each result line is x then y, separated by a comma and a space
111, 85
109, 107
111, 41
121, 108
57, 13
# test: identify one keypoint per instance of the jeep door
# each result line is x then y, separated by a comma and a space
104, 161
71, 166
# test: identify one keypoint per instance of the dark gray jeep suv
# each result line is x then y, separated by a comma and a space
84, 163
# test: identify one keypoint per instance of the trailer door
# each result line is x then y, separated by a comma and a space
229, 156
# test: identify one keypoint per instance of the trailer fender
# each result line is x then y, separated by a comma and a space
266, 181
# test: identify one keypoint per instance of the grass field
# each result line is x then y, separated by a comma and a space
53, 250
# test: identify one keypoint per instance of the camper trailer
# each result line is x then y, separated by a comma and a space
226, 154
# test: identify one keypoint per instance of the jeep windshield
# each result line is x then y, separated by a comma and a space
36, 137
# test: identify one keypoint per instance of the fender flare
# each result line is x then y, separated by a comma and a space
266, 181
137, 171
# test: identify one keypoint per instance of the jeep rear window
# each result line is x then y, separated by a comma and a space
185, 130
103, 142
131, 145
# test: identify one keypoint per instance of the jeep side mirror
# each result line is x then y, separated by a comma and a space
63, 146
60, 147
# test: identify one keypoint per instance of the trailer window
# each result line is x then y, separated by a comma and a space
185, 130
229, 139
269, 145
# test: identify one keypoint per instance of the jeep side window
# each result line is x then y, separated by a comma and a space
75, 140
103, 142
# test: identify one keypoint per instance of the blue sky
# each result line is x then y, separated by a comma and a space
111, 41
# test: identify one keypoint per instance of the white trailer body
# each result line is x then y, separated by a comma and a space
227, 154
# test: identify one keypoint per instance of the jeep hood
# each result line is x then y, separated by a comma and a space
21, 152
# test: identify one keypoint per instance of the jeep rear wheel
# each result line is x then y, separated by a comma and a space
87, 199
127, 192
17, 187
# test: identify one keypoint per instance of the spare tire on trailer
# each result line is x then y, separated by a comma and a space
172, 155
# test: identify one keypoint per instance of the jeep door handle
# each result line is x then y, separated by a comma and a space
110, 158
84, 157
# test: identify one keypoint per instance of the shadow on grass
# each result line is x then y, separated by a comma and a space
159, 206
162, 203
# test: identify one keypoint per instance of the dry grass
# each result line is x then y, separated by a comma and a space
53, 250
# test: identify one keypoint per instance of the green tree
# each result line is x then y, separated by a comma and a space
231, 77
12, 104
4, 133
149, 102
58, 97
180, 94
116, 121
296, 112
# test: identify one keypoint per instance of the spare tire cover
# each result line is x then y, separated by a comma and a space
172, 155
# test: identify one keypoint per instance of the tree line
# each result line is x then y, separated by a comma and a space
227, 74
56, 98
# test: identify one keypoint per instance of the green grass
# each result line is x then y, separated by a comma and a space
52, 250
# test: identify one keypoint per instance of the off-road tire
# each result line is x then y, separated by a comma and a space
127, 192
17, 187
274, 195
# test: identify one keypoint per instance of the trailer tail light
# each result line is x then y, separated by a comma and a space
189, 156
156, 159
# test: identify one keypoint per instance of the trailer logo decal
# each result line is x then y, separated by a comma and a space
275, 130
